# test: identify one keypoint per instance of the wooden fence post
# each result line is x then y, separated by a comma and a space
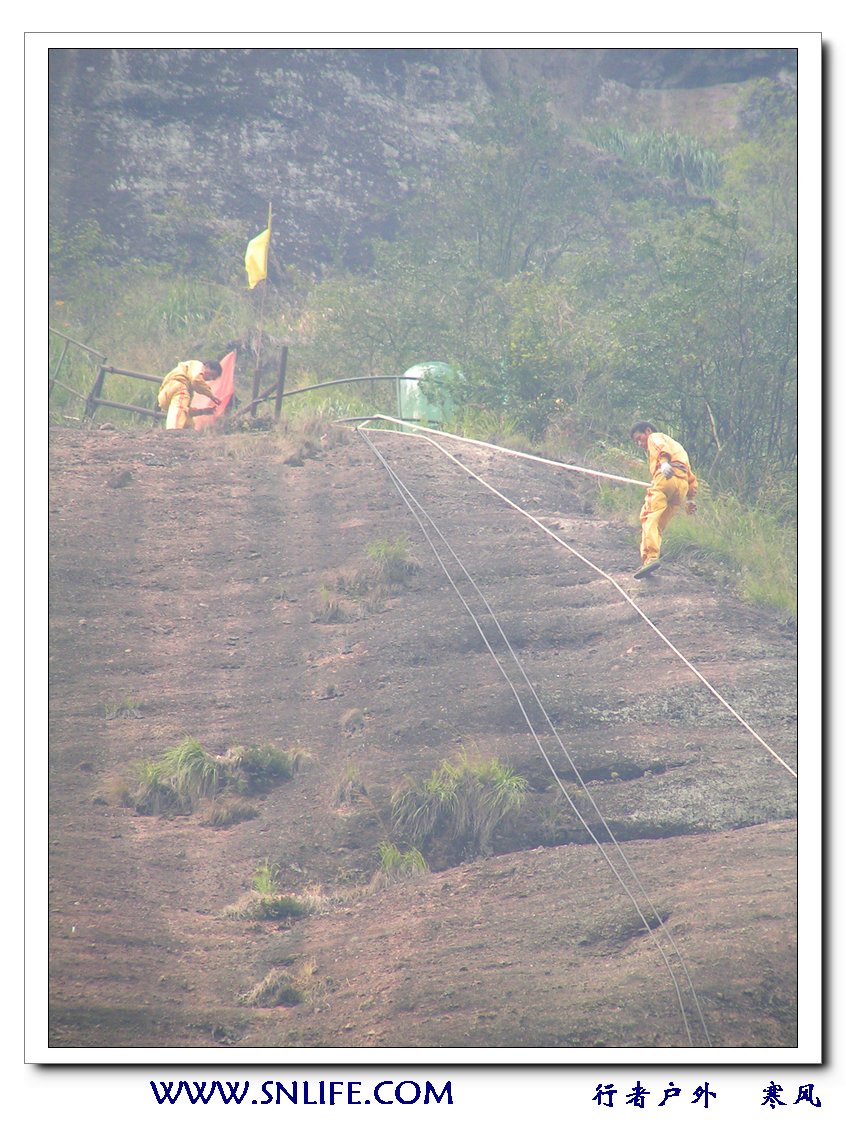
280, 384
91, 402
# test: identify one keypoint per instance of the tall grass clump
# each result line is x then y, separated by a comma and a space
265, 879
153, 792
229, 810
759, 551
665, 153
350, 788
264, 901
460, 805
491, 426
313, 413
277, 989
329, 609
391, 560
397, 865
191, 771
187, 775
254, 768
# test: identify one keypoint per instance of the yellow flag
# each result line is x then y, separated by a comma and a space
255, 259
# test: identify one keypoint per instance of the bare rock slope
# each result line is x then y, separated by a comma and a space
213, 587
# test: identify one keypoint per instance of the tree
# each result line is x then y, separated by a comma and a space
702, 338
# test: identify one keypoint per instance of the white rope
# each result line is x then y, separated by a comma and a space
503, 450
411, 502
605, 576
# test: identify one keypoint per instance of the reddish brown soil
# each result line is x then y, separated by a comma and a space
189, 582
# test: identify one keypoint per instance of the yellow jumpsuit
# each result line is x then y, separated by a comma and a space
176, 391
666, 496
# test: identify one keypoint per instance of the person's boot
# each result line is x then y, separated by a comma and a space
647, 569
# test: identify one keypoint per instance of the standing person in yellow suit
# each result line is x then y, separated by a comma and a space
180, 384
673, 486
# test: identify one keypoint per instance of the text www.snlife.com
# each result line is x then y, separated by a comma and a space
301, 1092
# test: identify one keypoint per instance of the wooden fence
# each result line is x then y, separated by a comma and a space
96, 398
67, 342
275, 391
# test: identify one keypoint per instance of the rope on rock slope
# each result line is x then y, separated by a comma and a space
416, 509
584, 559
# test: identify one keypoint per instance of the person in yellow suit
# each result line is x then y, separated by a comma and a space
180, 384
673, 485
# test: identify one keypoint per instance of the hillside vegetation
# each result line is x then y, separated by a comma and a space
580, 271
339, 757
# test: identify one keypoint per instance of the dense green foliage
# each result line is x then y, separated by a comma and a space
578, 280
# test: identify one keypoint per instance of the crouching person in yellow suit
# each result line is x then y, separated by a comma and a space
673, 486
180, 384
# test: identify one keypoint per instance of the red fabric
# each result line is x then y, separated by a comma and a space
224, 389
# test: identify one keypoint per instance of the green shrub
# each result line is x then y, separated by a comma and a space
461, 803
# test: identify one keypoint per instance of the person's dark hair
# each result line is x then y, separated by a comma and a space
641, 428
214, 365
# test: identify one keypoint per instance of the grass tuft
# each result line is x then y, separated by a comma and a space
265, 902
330, 608
397, 865
186, 775
254, 768
352, 720
463, 803
128, 707
268, 906
153, 793
191, 771
228, 811
350, 788
277, 989
391, 559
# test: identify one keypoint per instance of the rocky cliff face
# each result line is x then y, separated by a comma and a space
335, 138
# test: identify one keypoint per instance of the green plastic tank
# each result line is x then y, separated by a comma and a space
433, 403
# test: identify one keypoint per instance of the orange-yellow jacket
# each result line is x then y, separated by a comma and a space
190, 375
659, 448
